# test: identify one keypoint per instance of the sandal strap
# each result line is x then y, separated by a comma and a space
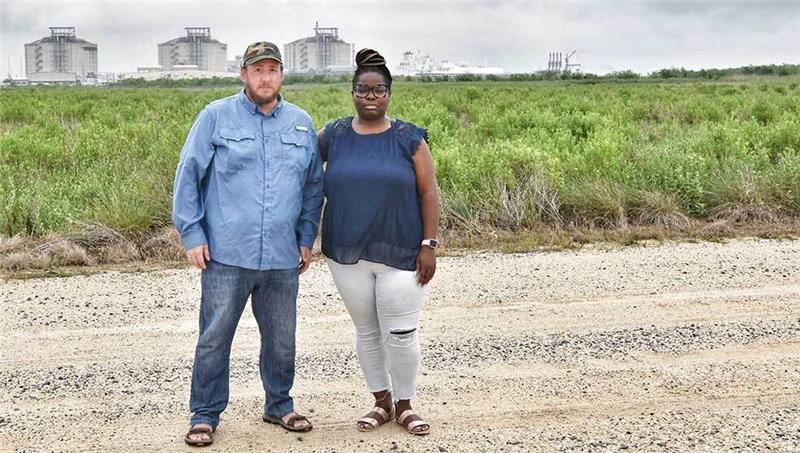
369, 420
200, 430
295, 418
402, 417
416, 423
380, 411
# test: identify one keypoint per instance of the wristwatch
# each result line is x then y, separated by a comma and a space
432, 243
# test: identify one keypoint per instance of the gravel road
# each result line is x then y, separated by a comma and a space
669, 347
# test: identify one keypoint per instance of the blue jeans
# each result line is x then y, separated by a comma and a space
225, 290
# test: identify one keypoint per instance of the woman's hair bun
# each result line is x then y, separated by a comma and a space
369, 57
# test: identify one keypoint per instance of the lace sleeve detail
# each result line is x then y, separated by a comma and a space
411, 136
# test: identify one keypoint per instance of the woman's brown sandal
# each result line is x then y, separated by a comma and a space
377, 417
402, 418
374, 419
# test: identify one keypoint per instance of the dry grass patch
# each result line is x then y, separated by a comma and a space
165, 246
715, 229
17, 261
531, 201
54, 255
741, 196
13, 243
658, 209
63, 252
109, 245
596, 204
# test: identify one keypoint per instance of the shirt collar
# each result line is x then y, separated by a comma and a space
252, 107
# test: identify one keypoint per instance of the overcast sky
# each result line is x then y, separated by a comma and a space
608, 35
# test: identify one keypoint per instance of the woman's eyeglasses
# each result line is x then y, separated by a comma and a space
362, 91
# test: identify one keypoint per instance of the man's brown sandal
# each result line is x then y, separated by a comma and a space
199, 428
291, 424
402, 418
374, 419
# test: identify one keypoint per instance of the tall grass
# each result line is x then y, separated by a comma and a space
511, 156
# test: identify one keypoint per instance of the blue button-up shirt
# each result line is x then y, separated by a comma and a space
249, 184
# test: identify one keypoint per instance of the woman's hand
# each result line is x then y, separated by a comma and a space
426, 265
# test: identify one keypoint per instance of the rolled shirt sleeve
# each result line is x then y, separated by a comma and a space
187, 199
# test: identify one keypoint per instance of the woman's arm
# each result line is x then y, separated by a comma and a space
429, 208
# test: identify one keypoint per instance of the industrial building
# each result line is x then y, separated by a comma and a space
61, 57
323, 52
178, 72
417, 64
197, 48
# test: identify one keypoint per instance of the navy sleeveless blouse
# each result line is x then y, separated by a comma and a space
372, 210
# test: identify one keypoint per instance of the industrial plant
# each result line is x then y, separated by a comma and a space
325, 52
414, 63
61, 57
197, 48
559, 62
194, 56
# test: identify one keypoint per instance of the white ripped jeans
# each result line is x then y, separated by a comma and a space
384, 304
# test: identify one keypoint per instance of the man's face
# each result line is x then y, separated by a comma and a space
262, 80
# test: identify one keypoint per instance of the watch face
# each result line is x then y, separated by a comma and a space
434, 243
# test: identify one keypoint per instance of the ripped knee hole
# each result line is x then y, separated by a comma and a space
402, 331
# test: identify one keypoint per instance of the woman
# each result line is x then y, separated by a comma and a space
379, 236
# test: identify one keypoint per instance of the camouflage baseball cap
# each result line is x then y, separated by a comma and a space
259, 51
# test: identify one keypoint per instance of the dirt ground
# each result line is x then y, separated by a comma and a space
669, 347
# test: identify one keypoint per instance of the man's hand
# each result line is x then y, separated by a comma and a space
305, 256
426, 265
199, 255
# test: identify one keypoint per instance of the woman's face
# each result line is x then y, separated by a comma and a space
371, 96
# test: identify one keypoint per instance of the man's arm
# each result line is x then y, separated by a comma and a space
187, 202
308, 223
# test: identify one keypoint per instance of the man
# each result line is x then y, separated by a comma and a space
247, 202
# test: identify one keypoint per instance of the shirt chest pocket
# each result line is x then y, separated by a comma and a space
238, 149
294, 152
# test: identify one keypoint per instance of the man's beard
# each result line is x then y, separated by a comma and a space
264, 100
260, 100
